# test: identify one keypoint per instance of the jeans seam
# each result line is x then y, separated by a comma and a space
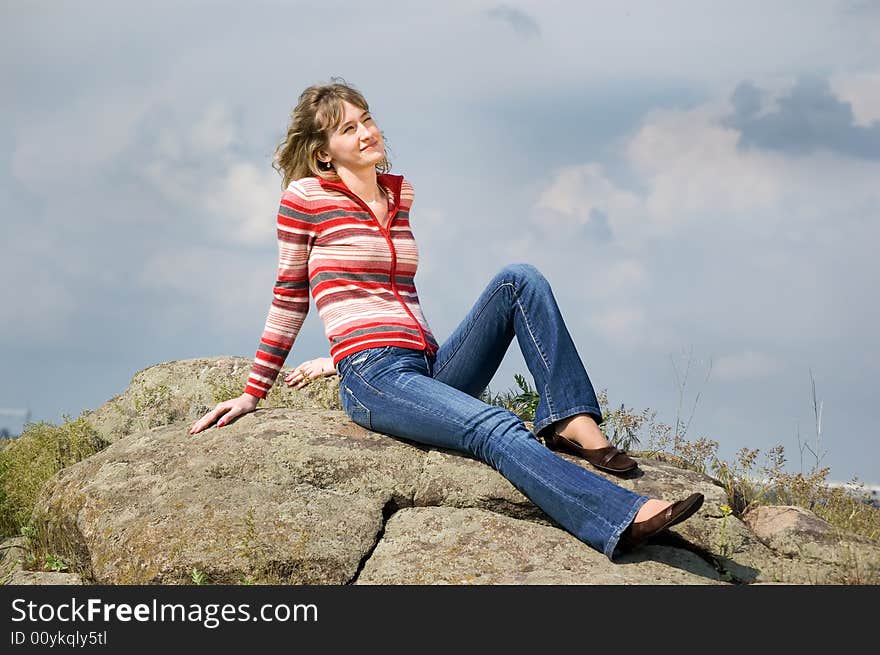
359, 406
458, 346
531, 334
548, 398
357, 401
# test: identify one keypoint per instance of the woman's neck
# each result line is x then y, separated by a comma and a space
363, 183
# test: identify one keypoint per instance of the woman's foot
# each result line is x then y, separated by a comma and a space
582, 429
651, 508
579, 435
655, 516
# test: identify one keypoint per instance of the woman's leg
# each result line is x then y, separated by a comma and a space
390, 391
519, 302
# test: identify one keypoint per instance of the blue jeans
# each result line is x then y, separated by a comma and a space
433, 400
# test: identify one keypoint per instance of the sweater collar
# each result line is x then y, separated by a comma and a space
392, 182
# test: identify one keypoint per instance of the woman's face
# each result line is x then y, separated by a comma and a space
356, 144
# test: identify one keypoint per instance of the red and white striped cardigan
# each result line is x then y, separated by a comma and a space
361, 275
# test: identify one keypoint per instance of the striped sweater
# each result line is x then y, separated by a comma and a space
360, 274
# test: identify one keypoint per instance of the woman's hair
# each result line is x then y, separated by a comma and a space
318, 111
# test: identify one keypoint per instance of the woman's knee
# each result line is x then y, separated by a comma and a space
498, 429
523, 274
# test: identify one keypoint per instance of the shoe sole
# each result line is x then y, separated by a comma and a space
608, 470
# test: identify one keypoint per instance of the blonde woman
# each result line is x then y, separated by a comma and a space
344, 237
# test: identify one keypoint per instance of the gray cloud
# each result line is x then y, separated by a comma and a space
521, 22
809, 118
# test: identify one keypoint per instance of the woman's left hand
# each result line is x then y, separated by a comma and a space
308, 371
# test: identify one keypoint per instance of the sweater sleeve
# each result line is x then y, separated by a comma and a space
290, 301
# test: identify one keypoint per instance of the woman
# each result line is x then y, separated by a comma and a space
344, 234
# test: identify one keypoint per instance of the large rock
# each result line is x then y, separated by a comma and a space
821, 553
183, 390
444, 545
44, 578
301, 495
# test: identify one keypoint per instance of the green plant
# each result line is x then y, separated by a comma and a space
156, 406
29, 533
724, 546
152, 397
27, 462
54, 563
226, 387
198, 577
523, 404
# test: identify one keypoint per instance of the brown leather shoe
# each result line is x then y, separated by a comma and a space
610, 458
637, 533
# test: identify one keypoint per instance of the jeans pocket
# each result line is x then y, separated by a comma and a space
365, 360
355, 409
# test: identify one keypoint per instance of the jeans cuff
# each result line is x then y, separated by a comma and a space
611, 545
594, 412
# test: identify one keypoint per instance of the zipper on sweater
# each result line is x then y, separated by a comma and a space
387, 234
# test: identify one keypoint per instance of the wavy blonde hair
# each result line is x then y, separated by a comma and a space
318, 112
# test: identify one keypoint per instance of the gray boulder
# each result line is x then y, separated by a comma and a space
301, 495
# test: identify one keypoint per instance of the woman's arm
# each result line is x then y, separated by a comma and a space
290, 304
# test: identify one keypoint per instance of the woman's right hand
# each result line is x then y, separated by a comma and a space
225, 412
308, 371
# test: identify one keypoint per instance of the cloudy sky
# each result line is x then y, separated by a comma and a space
697, 180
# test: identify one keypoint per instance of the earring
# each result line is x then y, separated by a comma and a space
326, 165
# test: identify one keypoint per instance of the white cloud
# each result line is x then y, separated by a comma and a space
214, 132
746, 365
576, 191
623, 277
623, 325
690, 172
693, 169
688, 168
197, 167
862, 92
246, 198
